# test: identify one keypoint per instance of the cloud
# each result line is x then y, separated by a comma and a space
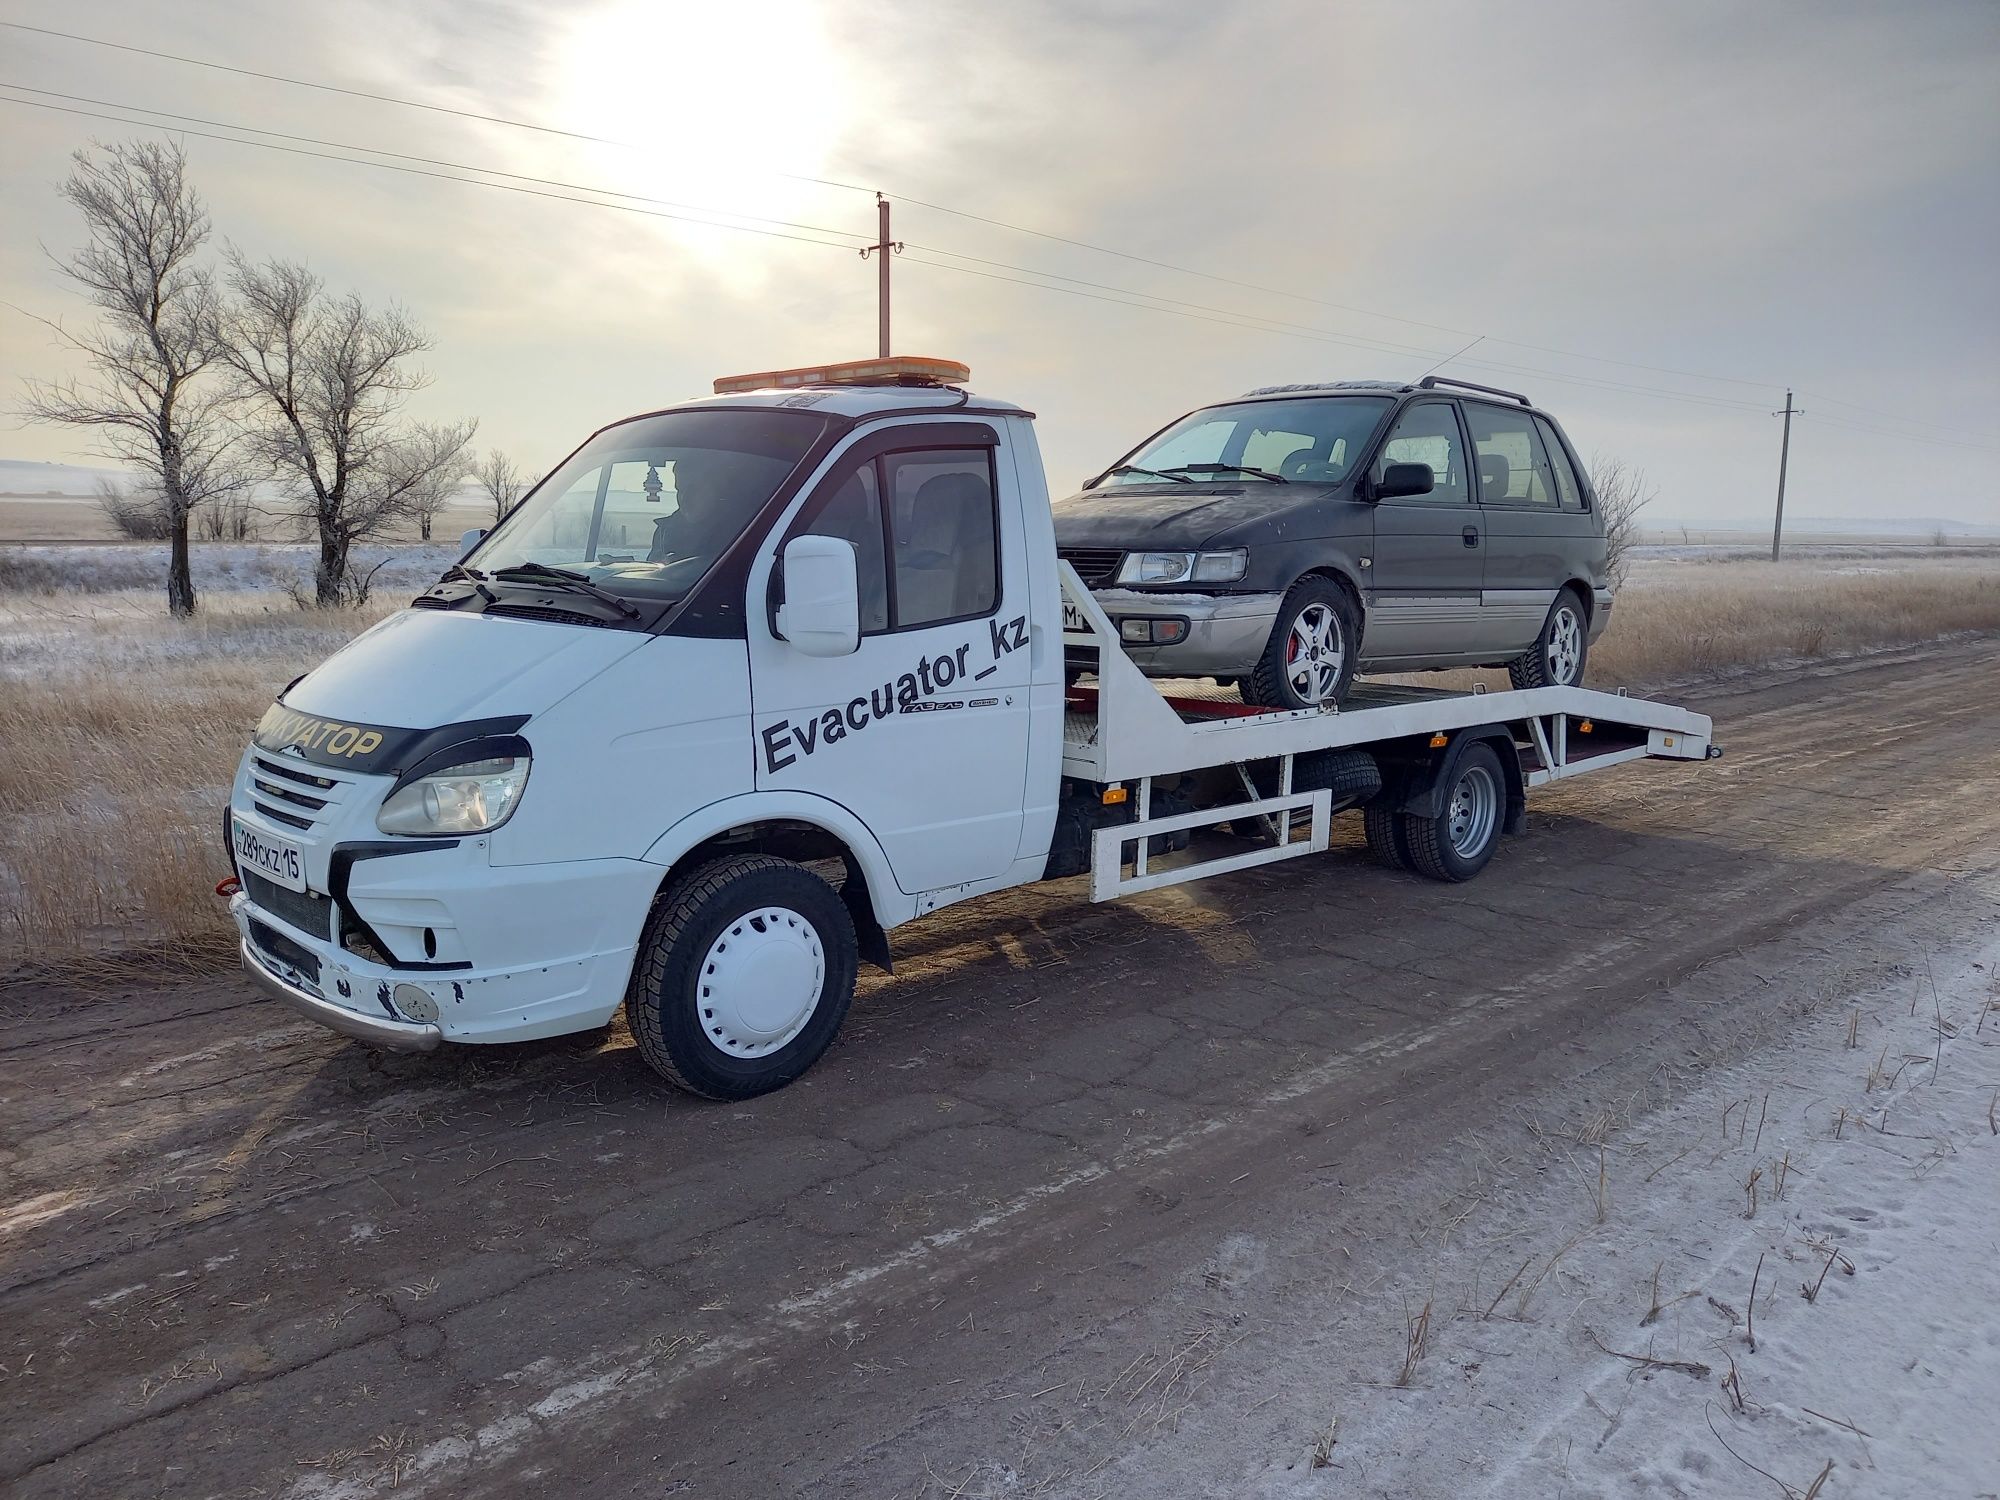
1781, 194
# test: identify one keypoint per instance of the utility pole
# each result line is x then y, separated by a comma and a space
882, 249
1784, 459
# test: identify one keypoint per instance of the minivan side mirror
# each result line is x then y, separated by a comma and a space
821, 611
471, 539
1405, 479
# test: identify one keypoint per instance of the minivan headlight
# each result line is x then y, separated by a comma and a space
471, 797
1176, 567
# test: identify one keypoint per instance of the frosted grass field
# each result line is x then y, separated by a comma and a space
123, 726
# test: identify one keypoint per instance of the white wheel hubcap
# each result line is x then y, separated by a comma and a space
1565, 646
761, 982
1314, 653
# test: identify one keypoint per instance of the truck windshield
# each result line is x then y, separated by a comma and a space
645, 507
1304, 441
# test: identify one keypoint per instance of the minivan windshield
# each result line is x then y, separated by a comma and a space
1308, 440
645, 507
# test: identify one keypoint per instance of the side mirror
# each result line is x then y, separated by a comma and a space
471, 539
1405, 479
821, 612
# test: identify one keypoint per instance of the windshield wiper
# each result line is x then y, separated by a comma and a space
460, 570
1230, 469
1142, 469
563, 578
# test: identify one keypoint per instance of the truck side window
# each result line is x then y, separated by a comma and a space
854, 514
944, 527
1428, 434
1513, 469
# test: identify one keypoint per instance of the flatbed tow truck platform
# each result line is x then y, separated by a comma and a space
1128, 731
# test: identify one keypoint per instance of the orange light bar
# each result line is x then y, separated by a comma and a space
899, 369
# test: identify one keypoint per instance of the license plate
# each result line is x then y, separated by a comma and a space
277, 860
1073, 619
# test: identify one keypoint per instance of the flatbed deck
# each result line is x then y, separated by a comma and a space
1127, 729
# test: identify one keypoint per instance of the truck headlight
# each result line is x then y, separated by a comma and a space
472, 797
1176, 567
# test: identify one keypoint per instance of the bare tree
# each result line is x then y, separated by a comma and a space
135, 512
145, 395
1622, 492
503, 483
327, 378
436, 456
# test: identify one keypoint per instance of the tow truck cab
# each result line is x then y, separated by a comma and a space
813, 616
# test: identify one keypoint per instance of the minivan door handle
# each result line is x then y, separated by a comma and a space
1471, 535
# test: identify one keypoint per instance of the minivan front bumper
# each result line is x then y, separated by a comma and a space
1226, 632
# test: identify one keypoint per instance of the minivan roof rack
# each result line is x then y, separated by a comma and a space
1432, 382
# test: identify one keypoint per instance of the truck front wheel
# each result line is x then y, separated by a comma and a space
743, 976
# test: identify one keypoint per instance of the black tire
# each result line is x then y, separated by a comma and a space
1351, 775
1458, 841
1384, 826
1270, 683
1560, 652
664, 1001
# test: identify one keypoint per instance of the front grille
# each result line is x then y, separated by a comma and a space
306, 910
283, 949
292, 792
1094, 565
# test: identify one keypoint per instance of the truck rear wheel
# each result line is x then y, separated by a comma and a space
1384, 826
1456, 842
743, 977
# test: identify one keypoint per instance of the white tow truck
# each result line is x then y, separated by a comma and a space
748, 683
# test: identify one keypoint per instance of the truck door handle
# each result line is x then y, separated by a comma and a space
1471, 535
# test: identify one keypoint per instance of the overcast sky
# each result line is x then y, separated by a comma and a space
1655, 216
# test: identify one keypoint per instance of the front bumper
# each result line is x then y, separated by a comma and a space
1226, 632
390, 1032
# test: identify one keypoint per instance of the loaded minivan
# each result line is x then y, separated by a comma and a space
1289, 538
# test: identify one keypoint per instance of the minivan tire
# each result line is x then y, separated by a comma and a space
1322, 603
1557, 658
776, 903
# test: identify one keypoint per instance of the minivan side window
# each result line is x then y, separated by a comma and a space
1568, 492
926, 554
1513, 468
1428, 434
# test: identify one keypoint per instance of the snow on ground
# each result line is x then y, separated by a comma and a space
1851, 1176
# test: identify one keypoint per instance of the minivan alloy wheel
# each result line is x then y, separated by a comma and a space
1565, 648
1315, 652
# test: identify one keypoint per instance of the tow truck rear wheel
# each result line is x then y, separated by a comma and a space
1384, 826
743, 976
1456, 842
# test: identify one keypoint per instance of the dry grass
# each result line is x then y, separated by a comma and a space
122, 728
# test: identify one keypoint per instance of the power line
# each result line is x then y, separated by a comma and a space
430, 161
383, 166
1222, 316
1097, 291
913, 202
329, 88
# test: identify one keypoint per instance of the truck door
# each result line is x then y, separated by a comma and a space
1429, 559
922, 732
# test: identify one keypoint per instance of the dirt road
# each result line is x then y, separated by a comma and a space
1062, 1213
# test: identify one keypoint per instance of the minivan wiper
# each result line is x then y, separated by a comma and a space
1142, 469
563, 578
1229, 469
